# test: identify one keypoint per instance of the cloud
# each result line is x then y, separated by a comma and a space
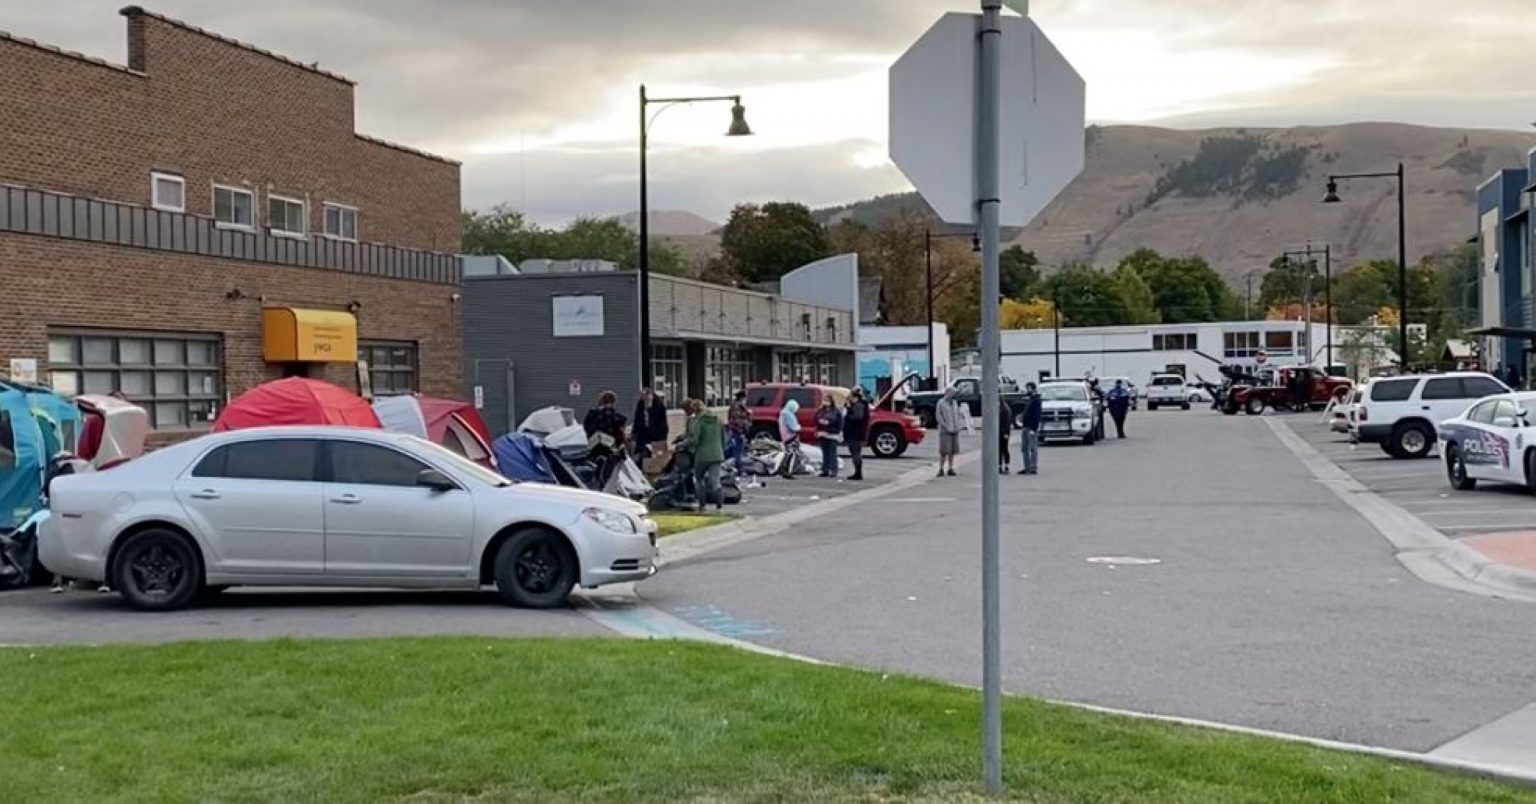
556, 79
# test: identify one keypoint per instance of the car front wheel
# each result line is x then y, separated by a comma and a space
887, 442
1254, 406
157, 570
535, 569
1456, 470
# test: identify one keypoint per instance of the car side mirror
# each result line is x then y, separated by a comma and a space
1506, 421
435, 480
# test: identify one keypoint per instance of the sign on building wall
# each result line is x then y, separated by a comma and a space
578, 316
24, 369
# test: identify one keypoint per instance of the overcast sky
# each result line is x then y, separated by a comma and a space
538, 97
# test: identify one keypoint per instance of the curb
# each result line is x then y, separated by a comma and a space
695, 543
1470, 563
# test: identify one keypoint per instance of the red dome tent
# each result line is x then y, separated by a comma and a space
296, 400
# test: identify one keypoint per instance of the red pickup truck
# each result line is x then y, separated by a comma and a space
890, 432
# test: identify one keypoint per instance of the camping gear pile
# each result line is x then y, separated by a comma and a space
677, 491
766, 456
43, 435
296, 401
551, 447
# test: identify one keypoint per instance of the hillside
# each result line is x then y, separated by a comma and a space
671, 222
1248, 194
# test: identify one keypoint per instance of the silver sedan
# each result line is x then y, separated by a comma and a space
320, 506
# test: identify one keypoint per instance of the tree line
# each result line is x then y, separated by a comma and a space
762, 242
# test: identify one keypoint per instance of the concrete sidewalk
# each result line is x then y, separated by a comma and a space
1501, 560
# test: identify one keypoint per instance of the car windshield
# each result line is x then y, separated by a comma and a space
1167, 381
458, 462
1063, 393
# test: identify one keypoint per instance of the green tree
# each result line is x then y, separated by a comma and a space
1184, 289
1085, 296
1289, 281
1019, 271
507, 232
504, 231
762, 243
1363, 289
1134, 293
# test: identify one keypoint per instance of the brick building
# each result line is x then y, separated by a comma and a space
205, 218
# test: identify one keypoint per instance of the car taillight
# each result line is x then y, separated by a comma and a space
1360, 415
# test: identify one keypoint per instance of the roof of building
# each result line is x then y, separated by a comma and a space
137, 11
406, 148
58, 51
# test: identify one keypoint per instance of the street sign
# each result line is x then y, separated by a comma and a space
1261, 358
933, 89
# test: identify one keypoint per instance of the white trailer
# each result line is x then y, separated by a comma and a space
1138, 352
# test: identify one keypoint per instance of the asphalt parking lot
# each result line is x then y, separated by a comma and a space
1420, 487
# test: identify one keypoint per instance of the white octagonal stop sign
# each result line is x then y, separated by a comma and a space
933, 119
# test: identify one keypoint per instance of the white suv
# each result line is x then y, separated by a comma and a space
1403, 414
1167, 389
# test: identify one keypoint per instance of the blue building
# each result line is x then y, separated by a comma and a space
1505, 284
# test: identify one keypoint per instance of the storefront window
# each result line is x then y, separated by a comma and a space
796, 367
726, 371
669, 367
177, 378
392, 366
1240, 344
826, 370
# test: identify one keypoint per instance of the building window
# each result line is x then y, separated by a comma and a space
177, 377
726, 371
340, 222
392, 366
826, 369
797, 367
168, 192
669, 367
1279, 343
1240, 344
234, 207
285, 216
1175, 342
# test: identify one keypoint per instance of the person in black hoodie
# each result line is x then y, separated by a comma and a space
1004, 431
1029, 426
856, 430
650, 422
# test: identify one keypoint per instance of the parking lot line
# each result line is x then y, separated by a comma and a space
1523, 524
1472, 512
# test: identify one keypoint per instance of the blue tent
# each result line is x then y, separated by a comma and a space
23, 459
520, 456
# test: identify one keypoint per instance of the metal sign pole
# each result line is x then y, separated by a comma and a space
988, 203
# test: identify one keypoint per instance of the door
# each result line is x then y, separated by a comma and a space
258, 504
1443, 398
379, 522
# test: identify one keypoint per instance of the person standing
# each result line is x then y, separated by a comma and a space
650, 423
829, 433
738, 422
1004, 432
1119, 405
604, 426
1029, 430
706, 438
856, 431
789, 434
951, 420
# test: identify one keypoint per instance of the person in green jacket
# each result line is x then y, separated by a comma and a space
706, 440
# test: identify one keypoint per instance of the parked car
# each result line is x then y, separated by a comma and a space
1492, 440
890, 432
1402, 414
1167, 390
1069, 410
967, 392
327, 506
1278, 389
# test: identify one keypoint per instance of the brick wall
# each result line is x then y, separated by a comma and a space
214, 111
60, 283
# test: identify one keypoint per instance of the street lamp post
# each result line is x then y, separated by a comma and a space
738, 128
1332, 197
928, 238
1310, 253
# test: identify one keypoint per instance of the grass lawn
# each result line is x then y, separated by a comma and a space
484, 720
673, 524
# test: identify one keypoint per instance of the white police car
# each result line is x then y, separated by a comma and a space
1493, 440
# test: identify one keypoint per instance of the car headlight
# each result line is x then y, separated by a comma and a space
1082, 410
612, 520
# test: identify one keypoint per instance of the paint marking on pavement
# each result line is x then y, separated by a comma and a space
1508, 742
1130, 561
922, 500
1523, 524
